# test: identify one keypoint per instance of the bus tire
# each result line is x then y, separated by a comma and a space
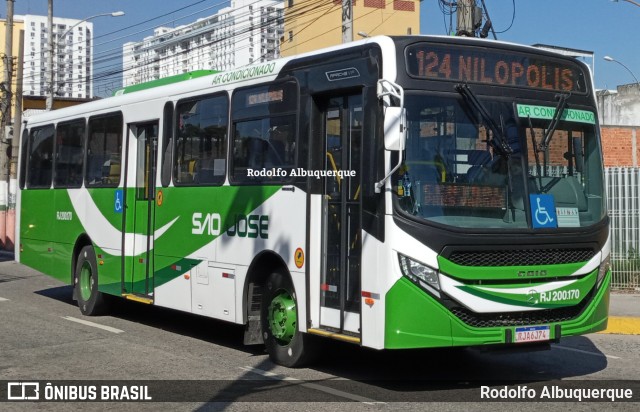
90, 301
285, 344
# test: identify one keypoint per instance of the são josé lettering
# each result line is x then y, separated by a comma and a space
299, 172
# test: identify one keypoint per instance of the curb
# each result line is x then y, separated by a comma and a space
623, 325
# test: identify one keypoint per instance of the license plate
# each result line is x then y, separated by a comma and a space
532, 334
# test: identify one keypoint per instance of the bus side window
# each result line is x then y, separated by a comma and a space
264, 132
201, 141
24, 146
104, 146
69, 154
167, 144
40, 163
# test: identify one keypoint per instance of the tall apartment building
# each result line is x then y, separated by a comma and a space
246, 32
73, 57
312, 25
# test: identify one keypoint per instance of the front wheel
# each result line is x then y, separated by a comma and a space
286, 345
90, 300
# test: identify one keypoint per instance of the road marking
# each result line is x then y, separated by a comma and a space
95, 325
585, 352
309, 385
623, 325
4, 300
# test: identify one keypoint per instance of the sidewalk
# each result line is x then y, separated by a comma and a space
624, 304
624, 314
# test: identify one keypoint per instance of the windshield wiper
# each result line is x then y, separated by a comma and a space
471, 99
534, 144
562, 104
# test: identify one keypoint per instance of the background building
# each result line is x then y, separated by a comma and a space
73, 57
620, 107
247, 32
311, 25
73, 72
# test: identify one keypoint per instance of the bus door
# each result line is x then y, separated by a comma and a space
341, 215
140, 201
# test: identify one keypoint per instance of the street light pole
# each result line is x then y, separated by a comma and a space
60, 38
629, 1
50, 55
611, 59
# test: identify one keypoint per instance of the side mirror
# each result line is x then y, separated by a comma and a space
578, 153
394, 128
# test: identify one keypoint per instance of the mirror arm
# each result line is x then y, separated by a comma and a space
386, 88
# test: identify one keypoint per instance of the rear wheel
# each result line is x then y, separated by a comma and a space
90, 300
286, 345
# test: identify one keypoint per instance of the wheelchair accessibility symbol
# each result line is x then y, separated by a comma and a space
543, 211
118, 201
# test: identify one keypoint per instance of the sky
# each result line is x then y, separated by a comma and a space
604, 27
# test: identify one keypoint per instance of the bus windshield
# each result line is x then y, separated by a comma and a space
500, 164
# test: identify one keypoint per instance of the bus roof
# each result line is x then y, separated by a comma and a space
208, 79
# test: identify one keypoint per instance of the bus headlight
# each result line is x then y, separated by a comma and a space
605, 265
421, 274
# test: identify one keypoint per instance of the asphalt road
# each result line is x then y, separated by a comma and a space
44, 337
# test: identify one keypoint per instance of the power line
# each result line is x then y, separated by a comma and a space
106, 76
155, 18
513, 18
243, 32
117, 54
113, 53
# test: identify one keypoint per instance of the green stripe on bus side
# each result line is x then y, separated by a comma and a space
44, 214
109, 272
110, 279
174, 270
164, 81
40, 207
229, 202
43, 234
505, 272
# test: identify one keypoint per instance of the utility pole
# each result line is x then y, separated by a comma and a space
347, 21
8, 63
15, 148
6, 123
50, 56
467, 18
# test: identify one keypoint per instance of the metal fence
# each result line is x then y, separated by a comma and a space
623, 197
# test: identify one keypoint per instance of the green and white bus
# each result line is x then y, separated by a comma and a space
393, 192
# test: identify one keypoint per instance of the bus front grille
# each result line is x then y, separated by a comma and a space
524, 257
524, 318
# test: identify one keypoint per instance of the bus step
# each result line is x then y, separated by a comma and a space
334, 335
136, 298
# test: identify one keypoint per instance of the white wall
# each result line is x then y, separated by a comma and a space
620, 107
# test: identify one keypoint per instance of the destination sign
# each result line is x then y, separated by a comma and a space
497, 67
265, 97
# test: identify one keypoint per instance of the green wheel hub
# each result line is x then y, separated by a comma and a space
86, 281
283, 317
